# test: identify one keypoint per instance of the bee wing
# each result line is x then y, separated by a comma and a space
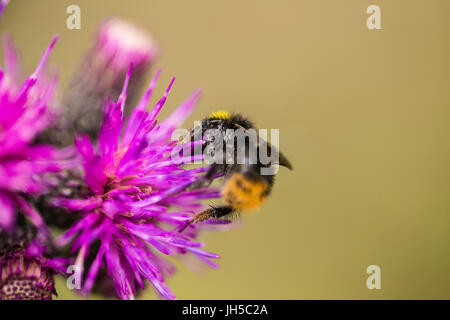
282, 160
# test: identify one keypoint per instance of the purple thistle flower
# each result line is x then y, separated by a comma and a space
26, 169
137, 201
24, 113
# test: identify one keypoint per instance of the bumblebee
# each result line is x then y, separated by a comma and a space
245, 188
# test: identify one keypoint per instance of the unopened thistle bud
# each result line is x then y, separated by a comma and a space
24, 273
102, 72
25, 279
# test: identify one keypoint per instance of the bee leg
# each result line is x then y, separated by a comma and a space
213, 212
201, 183
202, 216
208, 177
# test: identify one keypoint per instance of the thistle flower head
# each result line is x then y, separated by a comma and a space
26, 274
24, 113
137, 201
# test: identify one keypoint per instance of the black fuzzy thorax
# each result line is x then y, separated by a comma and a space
251, 171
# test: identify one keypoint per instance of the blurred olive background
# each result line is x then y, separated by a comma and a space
363, 117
